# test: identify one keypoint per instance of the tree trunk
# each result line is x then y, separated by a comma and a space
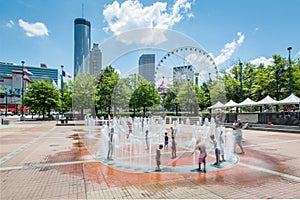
81, 113
43, 113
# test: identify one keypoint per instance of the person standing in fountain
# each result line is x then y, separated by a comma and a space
166, 140
221, 145
202, 157
217, 149
173, 147
129, 129
147, 140
173, 132
158, 157
110, 144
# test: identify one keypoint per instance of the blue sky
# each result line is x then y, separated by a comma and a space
41, 31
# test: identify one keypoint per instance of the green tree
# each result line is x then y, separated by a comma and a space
84, 93
42, 96
68, 95
296, 77
107, 80
187, 98
121, 95
278, 77
146, 95
170, 101
261, 83
203, 96
248, 80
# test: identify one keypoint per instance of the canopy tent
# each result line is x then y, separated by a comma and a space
267, 101
230, 103
247, 102
292, 99
217, 105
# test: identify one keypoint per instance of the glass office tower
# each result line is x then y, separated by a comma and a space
147, 66
82, 44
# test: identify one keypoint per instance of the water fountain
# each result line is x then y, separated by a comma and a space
131, 152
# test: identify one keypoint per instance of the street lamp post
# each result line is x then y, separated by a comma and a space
22, 79
134, 109
101, 92
290, 71
6, 103
241, 83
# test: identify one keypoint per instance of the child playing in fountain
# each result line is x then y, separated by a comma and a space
166, 140
173, 147
129, 129
110, 144
238, 137
217, 149
202, 157
173, 132
158, 157
147, 140
221, 145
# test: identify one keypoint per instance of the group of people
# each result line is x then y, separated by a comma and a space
166, 144
218, 146
217, 142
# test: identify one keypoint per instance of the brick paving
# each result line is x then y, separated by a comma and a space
39, 160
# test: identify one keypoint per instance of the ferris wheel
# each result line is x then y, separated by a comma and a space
188, 63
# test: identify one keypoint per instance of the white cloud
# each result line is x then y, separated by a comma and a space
131, 15
298, 54
10, 24
262, 60
35, 29
229, 49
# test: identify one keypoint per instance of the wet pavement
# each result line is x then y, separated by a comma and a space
39, 160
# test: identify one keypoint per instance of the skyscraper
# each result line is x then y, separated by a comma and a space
82, 45
147, 66
95, 60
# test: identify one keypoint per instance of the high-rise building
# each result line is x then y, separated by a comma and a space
147, 66
95, 60
11, 83
82, 45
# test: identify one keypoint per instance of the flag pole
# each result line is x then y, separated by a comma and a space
22, 111
62, 90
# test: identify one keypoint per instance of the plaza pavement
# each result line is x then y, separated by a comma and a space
39, 160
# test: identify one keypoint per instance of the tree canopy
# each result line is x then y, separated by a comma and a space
42, 96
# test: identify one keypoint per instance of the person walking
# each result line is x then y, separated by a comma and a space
237, 131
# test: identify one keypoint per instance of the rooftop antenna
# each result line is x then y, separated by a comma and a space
82, 10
